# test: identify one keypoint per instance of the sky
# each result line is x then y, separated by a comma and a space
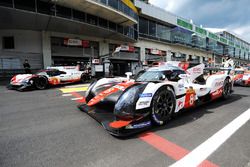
232, 15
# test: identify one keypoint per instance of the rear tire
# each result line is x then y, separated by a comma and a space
41, 82
226, 92
163, 106
83, 78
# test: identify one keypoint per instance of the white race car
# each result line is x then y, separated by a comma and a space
125, 106
51, 76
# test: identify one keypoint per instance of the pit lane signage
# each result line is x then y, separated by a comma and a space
184, 24
76, 42
72, 42
155, 51
125, 48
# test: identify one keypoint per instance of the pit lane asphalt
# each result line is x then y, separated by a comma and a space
43, 128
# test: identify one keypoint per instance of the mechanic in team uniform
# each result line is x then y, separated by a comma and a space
26, 67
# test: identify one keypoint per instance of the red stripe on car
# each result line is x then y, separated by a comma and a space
119, 87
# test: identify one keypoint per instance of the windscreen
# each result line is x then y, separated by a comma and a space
154, 76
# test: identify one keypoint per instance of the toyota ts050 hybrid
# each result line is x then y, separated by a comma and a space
125, 106
48, 77
241, 77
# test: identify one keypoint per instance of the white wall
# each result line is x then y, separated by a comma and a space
27, 45
25, 40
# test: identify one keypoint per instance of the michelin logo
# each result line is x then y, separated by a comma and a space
146, 95
139, 125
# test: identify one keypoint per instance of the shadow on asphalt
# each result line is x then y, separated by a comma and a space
52, 87
190, 115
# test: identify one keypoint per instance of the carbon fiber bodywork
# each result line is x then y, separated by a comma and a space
105, 117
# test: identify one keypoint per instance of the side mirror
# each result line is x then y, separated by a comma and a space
162, 77
128, 74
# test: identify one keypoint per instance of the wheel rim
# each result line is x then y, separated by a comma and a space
163, 106
41, 83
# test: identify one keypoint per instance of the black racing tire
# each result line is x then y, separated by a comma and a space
226, 91
41, 82
83, 78
163, 105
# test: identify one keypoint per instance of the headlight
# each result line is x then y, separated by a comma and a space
125, 105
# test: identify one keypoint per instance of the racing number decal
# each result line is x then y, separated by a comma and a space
190, 98
54, 81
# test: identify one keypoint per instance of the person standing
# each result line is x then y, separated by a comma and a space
26, 66
111, 68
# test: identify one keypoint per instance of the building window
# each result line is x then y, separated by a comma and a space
91, 19
63, 11
26, 5
45, 7
120, 29
7, 3
112, 26
152, 28
8, 43
143, 26
103, 22
113, 3
77, 15
163, 32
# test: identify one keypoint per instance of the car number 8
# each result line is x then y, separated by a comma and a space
191, 100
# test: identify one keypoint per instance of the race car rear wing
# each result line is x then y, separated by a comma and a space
192, 69
63, 68
195, 71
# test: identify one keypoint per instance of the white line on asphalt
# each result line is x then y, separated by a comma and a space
68, 94
77, 98
200, 153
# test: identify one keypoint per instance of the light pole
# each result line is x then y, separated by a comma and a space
91, 61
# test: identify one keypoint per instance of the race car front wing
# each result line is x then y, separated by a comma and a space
119, 128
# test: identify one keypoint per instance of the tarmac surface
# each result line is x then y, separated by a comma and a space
45, 128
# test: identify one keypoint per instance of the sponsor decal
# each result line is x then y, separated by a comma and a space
219, 83
190, 98
54, 81
180, 104
197, 70
217, 93
143, 103
181, 86
203, 89
145, 95
245, 77
139, 125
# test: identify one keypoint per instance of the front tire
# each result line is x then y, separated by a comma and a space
41, 83
163, 106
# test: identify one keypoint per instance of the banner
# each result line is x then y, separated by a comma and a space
155, 52
125, 48
76, 42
